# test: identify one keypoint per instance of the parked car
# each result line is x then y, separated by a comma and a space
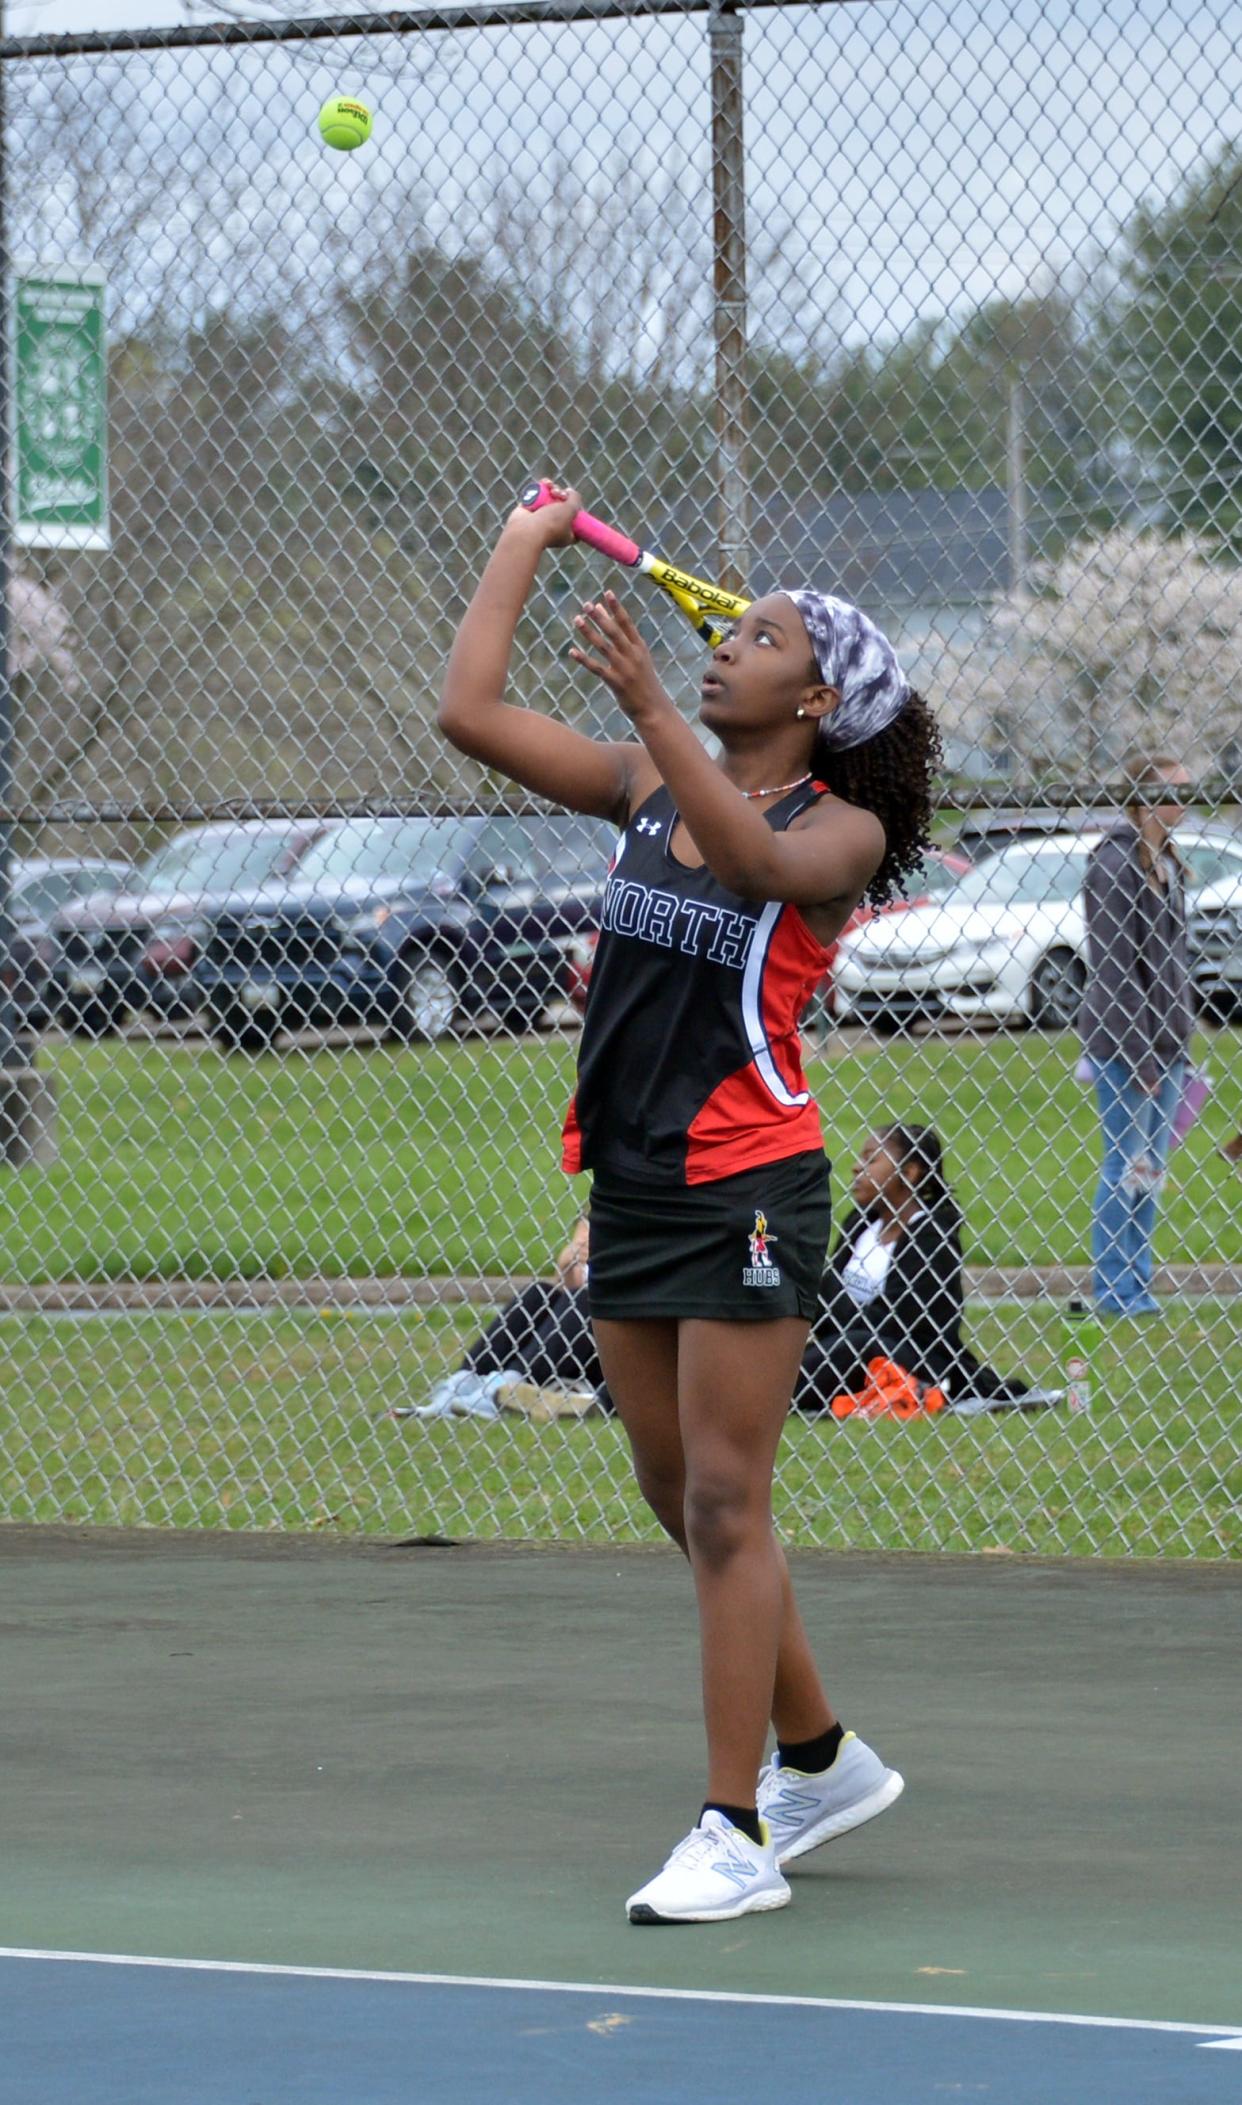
1006, 944
417, 924
984, 832
1215, 930
134, 949
937, 874
940, 870
40, 886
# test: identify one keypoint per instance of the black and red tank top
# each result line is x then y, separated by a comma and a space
690, 1066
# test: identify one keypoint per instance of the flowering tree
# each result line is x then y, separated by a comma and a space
40, 642
54, 709
1126, 642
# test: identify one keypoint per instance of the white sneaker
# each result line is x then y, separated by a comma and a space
803, 1811
716, 1874
438, 1405
542, 1405
469, 1395
475, 1395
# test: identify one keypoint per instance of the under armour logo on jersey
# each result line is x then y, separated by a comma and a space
648, 825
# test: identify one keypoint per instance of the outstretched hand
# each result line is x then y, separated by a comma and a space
617, 655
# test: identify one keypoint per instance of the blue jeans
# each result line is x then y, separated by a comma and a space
1137, 1127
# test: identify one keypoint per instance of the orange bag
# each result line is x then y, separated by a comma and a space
889, 1392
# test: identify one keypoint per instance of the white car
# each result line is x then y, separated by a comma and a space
1006, 945
1216, 947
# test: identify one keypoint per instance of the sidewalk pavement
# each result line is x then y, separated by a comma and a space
982, 1283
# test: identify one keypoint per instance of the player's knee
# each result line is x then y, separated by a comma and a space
665, 1493
720, 1515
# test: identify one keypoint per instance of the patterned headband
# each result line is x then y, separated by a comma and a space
855, 658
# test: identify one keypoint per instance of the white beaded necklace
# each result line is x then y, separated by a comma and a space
780, 791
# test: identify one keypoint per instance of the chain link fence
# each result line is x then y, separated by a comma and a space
940, 308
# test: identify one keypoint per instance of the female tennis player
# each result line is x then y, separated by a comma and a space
710, 1195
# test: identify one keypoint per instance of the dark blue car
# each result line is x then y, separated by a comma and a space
419, 925
130, 948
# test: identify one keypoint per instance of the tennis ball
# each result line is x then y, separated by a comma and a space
344, 123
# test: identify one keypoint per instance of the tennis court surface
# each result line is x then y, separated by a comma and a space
348, 1822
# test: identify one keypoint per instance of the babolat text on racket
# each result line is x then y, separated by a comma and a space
706, 607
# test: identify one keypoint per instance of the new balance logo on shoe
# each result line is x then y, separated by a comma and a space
788, 1814
729, 1863
715, 1874
803, 1810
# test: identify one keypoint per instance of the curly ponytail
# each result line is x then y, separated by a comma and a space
891, 775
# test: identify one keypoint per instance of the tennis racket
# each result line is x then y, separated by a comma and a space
706, 607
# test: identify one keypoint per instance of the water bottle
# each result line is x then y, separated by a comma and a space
1082, 1340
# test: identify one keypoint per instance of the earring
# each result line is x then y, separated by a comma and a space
802, 712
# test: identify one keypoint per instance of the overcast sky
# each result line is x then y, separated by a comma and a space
912, 156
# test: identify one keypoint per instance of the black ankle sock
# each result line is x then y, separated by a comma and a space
811, 1756
743, 1816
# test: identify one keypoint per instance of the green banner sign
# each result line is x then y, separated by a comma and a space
59, 396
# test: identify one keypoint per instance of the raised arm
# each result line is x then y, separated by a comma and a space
552, 759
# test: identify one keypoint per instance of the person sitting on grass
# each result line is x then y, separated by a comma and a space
892, 1290
536, 1356
893, 1287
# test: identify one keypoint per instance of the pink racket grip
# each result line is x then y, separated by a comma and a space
586, 527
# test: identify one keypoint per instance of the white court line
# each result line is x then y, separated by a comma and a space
597, 1988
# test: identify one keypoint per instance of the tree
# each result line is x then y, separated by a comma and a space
41, 643
52, 701
1127, 641
569, 336
931, 409
1175, 339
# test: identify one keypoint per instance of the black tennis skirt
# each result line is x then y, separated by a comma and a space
739, 1250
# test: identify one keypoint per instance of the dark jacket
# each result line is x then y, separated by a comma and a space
1137, 1004
544, 1334
916, 1319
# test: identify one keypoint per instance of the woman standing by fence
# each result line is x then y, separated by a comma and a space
1137, 1019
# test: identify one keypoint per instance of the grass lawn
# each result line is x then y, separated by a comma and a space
180, 1163
177, 1162
280, 1421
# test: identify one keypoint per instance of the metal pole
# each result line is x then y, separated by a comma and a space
10, 1050
1015, 454
729, 291
474, 14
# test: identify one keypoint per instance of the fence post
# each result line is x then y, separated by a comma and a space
10, 1052
1015, 479
729, 291
27, 1099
